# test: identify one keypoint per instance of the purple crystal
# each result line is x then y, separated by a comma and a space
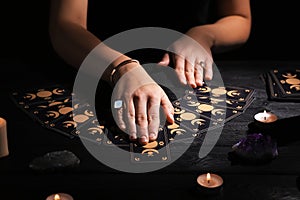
256, 147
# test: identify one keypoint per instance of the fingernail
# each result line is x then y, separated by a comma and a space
132, 137
152, 136
144, 139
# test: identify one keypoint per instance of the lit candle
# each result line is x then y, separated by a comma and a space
210, 183
60, 196
3, 138
265, 117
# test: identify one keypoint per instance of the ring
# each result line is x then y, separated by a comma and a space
118, 104
202, 64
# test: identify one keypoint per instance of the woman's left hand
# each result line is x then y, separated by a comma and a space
192, 60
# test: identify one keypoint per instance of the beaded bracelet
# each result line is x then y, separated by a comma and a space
125, 62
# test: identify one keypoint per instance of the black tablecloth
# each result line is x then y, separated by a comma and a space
93, 180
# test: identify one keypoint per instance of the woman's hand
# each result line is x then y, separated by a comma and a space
137, 100
192, 59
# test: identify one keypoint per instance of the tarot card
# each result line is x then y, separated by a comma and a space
74, 120
217, 102
288, 81
153, 152
30, 97
92, 131
275, 92
228, 92
116, 137
48, 113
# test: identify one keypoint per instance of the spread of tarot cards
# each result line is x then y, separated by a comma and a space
55, 108
283, 84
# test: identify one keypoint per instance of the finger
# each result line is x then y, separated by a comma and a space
179, 69
165, 61
208, 71
118, 107
140, 104
153, 118
189, 74
168, 109
130, 119
198, 74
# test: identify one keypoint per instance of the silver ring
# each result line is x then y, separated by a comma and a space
202, 64
118, 104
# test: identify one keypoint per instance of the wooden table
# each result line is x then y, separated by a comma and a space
93, 180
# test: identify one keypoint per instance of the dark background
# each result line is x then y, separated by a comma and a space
275, 33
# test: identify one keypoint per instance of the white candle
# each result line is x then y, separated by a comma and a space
60, 196
210, 180
265, 117
3, 138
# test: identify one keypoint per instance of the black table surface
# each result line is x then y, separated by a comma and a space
93, 180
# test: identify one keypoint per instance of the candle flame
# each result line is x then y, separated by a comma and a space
56, 197
265, 115
208, 177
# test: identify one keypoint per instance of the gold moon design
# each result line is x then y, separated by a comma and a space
177, 129
292, 81
44, 94
53, 114
198, 121
89, 113
193, 103
58, 91
150, 150
229, 102
295, 86
94, 130
216, 100
188, 116
205, 107
204, 89
172, 126
202, 97
55, 103
218, 111
289, 75
30, 96
70, 123
233, 93
76, 106
219, 91
80, 118
178, 111
65, 110
151, 145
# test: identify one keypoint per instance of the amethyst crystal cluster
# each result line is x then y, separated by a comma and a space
254, 148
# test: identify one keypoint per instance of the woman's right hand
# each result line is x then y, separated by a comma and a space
137, 100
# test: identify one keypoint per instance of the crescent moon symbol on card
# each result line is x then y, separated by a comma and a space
297, 87
70, 123
218, 111
150, 151
178, 111
233, 93
89, 113
94, 130
178, 131
204, 89
151, 145
197, 121
53, 114
58, 91
30, 96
